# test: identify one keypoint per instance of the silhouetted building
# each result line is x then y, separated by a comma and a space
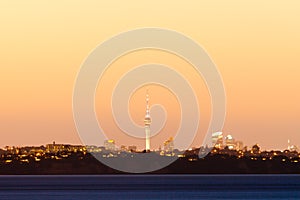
239, 145
132, 148
54, 148
292, 147
110, 145
230, 142
169, 145
255, 149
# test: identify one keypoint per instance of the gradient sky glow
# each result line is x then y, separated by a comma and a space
255, 45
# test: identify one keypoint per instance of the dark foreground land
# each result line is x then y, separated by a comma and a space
216, 162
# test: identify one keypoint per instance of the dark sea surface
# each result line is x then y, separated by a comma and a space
150, 187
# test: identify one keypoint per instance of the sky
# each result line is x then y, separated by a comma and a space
254, 44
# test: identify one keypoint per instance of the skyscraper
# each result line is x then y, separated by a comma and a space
169, 145
147, 122
230, 142
110, 145
217, 140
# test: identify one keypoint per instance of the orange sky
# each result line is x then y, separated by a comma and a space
255, 45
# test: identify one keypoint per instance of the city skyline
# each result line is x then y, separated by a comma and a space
257, 56
219, 140
77, 159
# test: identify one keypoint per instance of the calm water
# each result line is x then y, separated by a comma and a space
151, 187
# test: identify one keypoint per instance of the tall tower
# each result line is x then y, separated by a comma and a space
147, 122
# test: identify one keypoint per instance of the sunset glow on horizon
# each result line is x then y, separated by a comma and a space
255, 46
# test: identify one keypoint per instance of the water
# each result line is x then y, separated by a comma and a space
150, 187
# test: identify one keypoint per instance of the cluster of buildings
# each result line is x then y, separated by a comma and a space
221, 142
223, 146
110, 145
29, 154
